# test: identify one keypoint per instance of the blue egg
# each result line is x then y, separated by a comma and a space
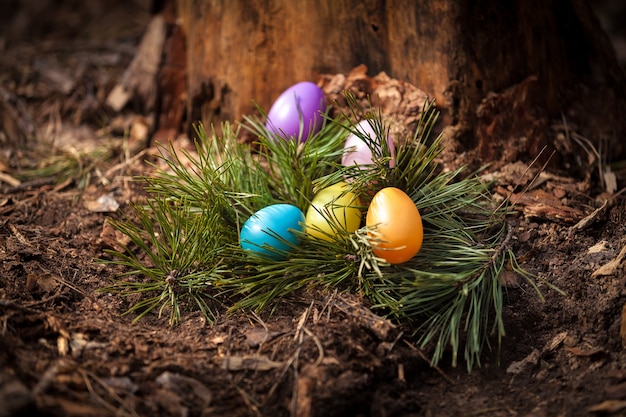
269, 231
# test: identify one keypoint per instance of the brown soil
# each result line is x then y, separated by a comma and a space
66, 349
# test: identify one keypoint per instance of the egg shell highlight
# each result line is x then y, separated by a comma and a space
356, 150
263, 231
333, 209
301, 103
398, 224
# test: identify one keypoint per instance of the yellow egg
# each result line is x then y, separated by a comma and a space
333, 209
398, 225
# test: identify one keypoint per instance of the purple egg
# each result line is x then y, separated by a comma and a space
301, 103
356, 150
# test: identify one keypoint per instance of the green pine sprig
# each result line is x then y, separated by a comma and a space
450, 293
176, 255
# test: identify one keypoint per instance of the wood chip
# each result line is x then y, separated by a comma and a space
589, 219
257, 336
104, 204
113, 238
538, 203
249, 363
518, 366
555, 342
80, 342
139, 80
610, 181
41, 282
583, 352
611, 267
63, 346
608, 406
601, 246
19, 236
7, 179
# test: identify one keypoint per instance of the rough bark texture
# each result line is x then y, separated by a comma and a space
457, 51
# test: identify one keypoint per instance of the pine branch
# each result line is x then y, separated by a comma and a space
181, 247
185, 239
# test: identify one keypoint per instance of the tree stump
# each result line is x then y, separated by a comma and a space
459, 52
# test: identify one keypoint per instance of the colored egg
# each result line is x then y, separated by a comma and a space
398, 225
298, 111
270, 231
356, 150
332, 211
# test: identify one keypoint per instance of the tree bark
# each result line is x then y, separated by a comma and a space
458, 51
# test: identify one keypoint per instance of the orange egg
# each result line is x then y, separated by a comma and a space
398, 225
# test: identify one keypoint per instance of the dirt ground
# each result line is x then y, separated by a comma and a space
66, 349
